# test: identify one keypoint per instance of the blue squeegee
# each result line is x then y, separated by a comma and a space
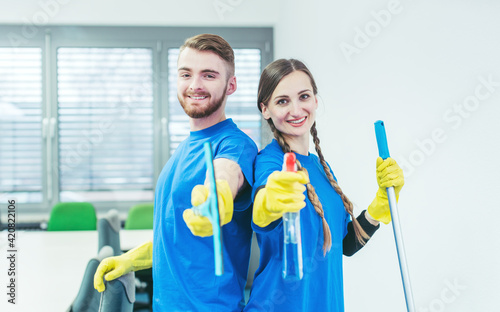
210, 209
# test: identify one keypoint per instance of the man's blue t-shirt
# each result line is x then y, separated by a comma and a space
183, 264
321, 288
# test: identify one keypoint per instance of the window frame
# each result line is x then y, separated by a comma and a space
159, 40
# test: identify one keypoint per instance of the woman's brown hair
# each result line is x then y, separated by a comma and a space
269, 80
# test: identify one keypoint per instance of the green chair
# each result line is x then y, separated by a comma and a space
79, 216
140, 217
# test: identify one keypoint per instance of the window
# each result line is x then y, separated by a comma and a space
105, 109
91, 113
20, 123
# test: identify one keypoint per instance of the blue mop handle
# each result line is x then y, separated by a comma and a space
210, 209
383, 151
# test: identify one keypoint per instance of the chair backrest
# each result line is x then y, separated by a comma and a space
87, 299
79, 216
108, 228
119, 295
140, 217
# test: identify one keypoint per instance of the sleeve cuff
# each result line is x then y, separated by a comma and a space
369, 228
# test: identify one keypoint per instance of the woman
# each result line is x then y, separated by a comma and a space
287, 100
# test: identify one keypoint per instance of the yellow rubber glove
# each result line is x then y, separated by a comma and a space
201, 226
388, 174
139, 258
284, 192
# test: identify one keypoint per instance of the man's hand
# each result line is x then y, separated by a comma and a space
136, 259
201, 226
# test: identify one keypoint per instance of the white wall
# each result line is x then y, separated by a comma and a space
422, 72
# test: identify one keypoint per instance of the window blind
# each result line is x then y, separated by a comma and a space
105, 120
20, 123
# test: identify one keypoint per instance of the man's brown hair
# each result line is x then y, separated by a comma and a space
215, 44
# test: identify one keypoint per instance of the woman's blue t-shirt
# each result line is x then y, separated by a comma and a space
321, 288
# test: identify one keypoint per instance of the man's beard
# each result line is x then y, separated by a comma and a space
201, 112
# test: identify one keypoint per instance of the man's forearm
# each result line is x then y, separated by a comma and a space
230, 171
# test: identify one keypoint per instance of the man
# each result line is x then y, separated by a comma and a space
181, 253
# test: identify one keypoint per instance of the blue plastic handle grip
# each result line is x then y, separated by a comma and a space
383, 149
213, 211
